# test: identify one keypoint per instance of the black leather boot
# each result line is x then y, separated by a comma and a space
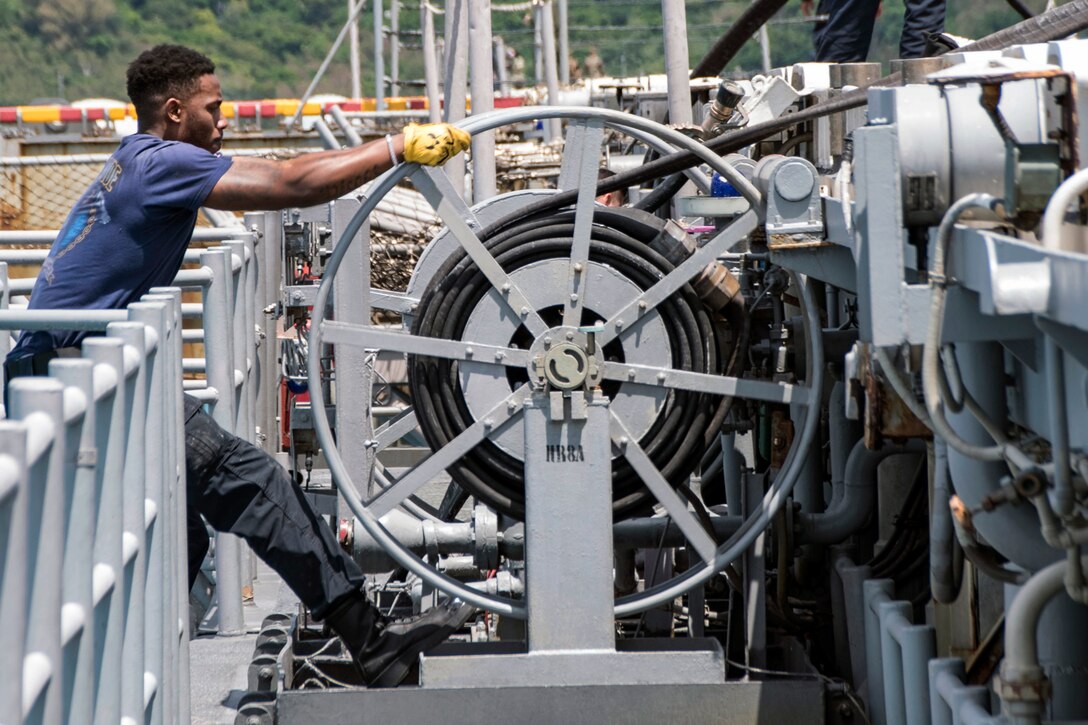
384, 650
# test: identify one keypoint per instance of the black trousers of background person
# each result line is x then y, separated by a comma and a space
846, 35
241, 490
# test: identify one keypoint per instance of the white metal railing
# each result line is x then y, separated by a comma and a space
93, 563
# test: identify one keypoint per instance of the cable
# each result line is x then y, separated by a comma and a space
742, 30
1020, 9
930, 351
846, 689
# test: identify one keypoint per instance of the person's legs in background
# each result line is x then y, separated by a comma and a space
846, 36
921, 19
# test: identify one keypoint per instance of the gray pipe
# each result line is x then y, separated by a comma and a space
1020, 670
942, 537
675, 33
843, 434
553, 126
456, 76
1012, 530
564, 42
326, 134
483, 98
379, 57
502, 81
733, 465
857, 498
1062, 497
394, 47
430, 63
353, 51
344, 123
460, 538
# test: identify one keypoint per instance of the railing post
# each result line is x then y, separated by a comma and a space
5, 302
176, 613
152, 316
38, 402
110, 393
268, 233
219, 354
13, 566
242, 332
134, 539
875, 591
82, 497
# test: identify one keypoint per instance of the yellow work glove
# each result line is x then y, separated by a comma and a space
433, 144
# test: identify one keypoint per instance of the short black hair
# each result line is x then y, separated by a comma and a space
605, 173
165, 71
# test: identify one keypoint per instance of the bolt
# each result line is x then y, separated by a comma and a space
619, 325
511, 406
506, 289
488, 424
573, 298
642, 304
499, 354
661, 377
578, 267
296, 296
570, 336
468, 352
547, 343
778, 441
630, 374
623, 442
524, 311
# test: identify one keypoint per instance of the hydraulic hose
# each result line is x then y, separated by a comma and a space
739, 33
931, 349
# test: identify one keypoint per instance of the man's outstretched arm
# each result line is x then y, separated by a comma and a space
252, 184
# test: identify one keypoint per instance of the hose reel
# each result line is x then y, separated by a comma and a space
675, 426
490, 306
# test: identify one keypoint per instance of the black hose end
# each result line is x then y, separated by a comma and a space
729, 95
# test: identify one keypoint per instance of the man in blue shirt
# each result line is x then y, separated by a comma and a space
128, 233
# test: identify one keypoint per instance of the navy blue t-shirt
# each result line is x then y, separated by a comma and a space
125, 235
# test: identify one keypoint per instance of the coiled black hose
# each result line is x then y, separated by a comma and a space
687, 422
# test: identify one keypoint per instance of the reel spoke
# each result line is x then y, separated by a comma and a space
449, 454
394, 430
703, 383
665, 494
347, 333
450, 213
630, 315
581, 159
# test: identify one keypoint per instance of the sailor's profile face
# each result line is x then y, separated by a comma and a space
201, 117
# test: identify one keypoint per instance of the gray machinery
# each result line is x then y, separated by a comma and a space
818, 457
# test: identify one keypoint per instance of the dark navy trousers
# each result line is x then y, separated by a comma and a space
846, 35
242, 490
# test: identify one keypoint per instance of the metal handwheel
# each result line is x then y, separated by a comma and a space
486, 308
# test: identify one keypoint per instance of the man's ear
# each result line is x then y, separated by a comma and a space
172, 110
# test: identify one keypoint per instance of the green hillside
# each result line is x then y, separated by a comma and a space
271, 48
